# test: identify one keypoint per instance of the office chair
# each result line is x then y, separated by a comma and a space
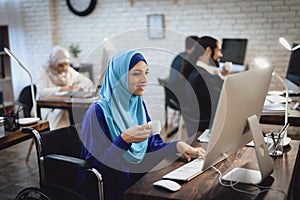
25, 101
171, 101
58, 154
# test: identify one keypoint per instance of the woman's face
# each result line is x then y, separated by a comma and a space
62, 67
137, 78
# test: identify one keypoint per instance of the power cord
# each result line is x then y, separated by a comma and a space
232, 185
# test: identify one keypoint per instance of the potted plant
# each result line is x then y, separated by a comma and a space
74, 51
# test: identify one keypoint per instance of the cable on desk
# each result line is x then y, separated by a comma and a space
232, 184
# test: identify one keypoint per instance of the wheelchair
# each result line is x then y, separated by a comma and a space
58, 154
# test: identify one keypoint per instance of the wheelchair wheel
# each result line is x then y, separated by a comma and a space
32, 193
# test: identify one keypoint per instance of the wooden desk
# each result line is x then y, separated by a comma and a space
15, 137
76, 106
206, 186
293, 117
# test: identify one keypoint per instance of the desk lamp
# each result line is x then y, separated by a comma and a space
262, 62
29, 74
286, 45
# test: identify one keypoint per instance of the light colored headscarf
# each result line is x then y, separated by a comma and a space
122, 109
57, 56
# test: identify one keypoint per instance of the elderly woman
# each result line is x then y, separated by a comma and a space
58, 76
116, 132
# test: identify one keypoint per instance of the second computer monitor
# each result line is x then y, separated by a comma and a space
292, 78
234, 50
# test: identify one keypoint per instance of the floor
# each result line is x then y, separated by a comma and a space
16, 174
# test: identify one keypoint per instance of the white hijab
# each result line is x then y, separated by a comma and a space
57, 56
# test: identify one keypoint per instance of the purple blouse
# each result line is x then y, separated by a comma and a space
106, 155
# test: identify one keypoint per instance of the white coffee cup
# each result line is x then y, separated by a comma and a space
155, 127
228, 66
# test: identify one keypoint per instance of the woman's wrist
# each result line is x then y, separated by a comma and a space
126, 137
181, 147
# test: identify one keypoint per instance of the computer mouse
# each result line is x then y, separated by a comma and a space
168, 184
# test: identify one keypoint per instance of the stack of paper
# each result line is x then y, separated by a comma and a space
273, 109
277, 99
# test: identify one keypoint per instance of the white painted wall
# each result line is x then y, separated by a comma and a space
50, 22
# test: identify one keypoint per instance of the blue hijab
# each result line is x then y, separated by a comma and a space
121, 109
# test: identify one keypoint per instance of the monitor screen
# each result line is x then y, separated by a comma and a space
242, 96
293, 71
234, 50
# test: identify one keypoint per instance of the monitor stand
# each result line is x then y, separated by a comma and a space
265, 163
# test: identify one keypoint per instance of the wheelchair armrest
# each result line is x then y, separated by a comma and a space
27, 130
68, 161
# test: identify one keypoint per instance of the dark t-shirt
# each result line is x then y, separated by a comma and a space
176, 67
200, 107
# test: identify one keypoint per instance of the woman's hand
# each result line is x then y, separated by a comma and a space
68, 88
190, 152
136, 133
77, 87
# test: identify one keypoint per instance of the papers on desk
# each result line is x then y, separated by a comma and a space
273, 109
277, 99
29, 120
82, 100
251, 144
61, 93
274, 105
275, 93
77, 94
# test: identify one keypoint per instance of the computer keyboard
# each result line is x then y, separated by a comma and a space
187, 171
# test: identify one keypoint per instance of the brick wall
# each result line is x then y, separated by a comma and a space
261, 21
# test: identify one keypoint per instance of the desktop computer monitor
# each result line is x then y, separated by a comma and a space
234, 50
242, 96
292, 78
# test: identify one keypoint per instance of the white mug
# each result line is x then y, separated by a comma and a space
228, 66
155, 127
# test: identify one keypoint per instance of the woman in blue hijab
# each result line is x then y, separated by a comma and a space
116, 133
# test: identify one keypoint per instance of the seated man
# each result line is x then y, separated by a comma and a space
200, 72
176, 65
